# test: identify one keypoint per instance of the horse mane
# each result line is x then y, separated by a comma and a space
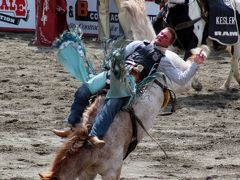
140, 23
77, 139
91, 111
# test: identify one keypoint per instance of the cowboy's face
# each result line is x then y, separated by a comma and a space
164, 38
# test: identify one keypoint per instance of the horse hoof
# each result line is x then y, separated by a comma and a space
224, 88
196, 85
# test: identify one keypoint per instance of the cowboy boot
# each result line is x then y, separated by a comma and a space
63, 133
97, 142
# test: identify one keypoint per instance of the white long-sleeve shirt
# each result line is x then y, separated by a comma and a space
167, 67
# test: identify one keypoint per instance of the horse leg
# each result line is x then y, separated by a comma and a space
112, 174
235, 62
123, 16
226, 84
234, 71
87, 176
196, 84
104, 31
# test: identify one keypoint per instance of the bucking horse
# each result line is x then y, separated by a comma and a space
77, 159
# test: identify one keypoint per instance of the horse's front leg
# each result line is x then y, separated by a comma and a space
234, 71
226, 84
87, 176
235, 62
112, 174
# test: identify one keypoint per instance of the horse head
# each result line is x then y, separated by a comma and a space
63, 167
75, 151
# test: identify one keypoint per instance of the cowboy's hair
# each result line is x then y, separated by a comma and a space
174, 34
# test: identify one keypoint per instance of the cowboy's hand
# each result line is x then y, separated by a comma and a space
199, 58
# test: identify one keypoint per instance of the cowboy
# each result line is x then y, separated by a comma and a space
138, 54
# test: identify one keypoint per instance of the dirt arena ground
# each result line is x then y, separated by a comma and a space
202, 139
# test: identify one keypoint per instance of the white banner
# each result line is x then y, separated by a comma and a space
21, 15
115, 29
18, 15
84, 13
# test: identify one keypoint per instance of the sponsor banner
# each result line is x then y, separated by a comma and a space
115, 28
18, 15
21, 15
223, 22
84, 13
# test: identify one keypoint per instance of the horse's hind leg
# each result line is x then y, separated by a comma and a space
234, 71
123, 16
226, 84
235, 62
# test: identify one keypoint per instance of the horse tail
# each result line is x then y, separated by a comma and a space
141, 25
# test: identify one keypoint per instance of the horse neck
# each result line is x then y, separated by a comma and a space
71, 167
147, 107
